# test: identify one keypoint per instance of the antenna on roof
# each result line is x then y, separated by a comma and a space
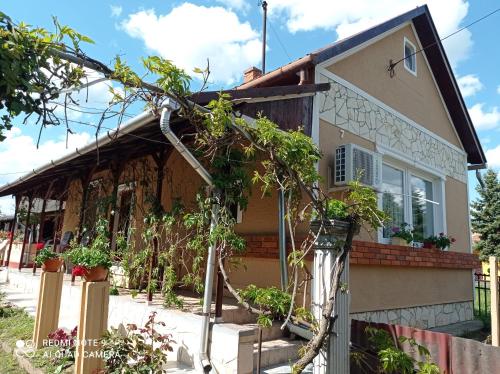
263, 3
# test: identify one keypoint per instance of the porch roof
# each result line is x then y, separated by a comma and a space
137, 137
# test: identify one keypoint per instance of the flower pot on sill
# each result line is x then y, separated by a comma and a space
399, 241
96, 274
430, 246
52, 265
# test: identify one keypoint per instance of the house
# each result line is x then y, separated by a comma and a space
384, 100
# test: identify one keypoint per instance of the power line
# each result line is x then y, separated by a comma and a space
279, 40
392, 65
96, 126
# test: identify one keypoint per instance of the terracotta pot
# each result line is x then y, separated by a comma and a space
399, 241
97, 274
52, 265
430, 246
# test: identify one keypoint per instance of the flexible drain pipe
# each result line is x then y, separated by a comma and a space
209, 277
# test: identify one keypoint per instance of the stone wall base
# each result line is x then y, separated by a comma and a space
422, 317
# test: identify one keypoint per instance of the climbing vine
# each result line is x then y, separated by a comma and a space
238, 153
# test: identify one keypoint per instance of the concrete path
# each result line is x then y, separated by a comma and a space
22, 290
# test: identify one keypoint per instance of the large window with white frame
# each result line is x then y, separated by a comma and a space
413, 197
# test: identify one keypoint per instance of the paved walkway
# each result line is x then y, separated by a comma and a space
22, 290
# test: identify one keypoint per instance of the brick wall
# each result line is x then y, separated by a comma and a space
367, 253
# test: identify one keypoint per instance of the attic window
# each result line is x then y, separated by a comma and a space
410, 57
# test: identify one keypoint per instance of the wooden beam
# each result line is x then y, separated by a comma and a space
12, 229
30, 203
268, 93
495, 312
42, 218
85, 181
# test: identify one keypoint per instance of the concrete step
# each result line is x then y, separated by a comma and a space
278, 351
238, 315
284, 369
272, 333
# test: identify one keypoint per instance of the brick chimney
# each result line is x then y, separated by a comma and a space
251, 73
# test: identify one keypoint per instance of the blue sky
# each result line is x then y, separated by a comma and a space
228, 33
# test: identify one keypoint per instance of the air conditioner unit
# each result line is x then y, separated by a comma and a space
353, 161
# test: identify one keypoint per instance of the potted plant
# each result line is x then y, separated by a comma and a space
335, 225
92, 262
441, 241
50, 261
402, 235
89, 262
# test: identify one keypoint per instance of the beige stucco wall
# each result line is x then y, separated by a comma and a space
181, 182
374, 287
417, 97
391, 287
457, 214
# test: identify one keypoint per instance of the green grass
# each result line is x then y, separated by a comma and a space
15, 325
8, 364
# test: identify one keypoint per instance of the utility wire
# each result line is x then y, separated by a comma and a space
392, 65
279, 40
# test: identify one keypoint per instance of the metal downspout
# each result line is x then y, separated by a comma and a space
209, 277
282, 240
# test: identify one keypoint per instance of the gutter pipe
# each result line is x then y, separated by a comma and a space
170, 106
282, 240
128, 127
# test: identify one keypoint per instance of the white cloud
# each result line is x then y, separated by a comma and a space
469, 85
116, 10
23, 156
190, 34
493, 157
241, 5
349, 17
484, 120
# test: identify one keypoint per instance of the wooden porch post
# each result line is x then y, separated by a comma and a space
40, 230
495, 313
58, 220
30, 203
12, 229
85, 181
160, 161
42, 220
116, 171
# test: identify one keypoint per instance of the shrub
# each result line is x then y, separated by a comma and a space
393, 359
273, 302
136, 350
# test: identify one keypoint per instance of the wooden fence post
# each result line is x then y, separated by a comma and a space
93, 324
47, 309
495, 322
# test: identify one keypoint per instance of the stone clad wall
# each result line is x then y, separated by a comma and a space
353, 112
424, 317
